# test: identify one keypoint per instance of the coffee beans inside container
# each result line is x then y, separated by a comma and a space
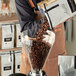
39, 50
38, 54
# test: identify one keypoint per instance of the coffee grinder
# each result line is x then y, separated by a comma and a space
38, 52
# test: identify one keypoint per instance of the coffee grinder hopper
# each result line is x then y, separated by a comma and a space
38, 52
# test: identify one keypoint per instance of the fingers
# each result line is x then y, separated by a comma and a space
32, 38
49, 38
38, 38
39, 16
57, 30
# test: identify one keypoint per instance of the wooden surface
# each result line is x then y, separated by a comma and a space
8, 19
13, 49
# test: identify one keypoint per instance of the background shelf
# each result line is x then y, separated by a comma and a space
13, 49
8, 19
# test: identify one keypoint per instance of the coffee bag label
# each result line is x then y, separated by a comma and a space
18, 67
7, 39
7, 68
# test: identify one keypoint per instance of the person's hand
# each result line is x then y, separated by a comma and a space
38, 16
49, 38
58, 27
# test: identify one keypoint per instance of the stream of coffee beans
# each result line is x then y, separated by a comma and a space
39, 49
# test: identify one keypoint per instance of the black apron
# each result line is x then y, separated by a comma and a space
26, 16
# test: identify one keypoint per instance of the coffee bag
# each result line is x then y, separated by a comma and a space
17, 61
7, 36
6, 63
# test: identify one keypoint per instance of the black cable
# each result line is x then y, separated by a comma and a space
49, 17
